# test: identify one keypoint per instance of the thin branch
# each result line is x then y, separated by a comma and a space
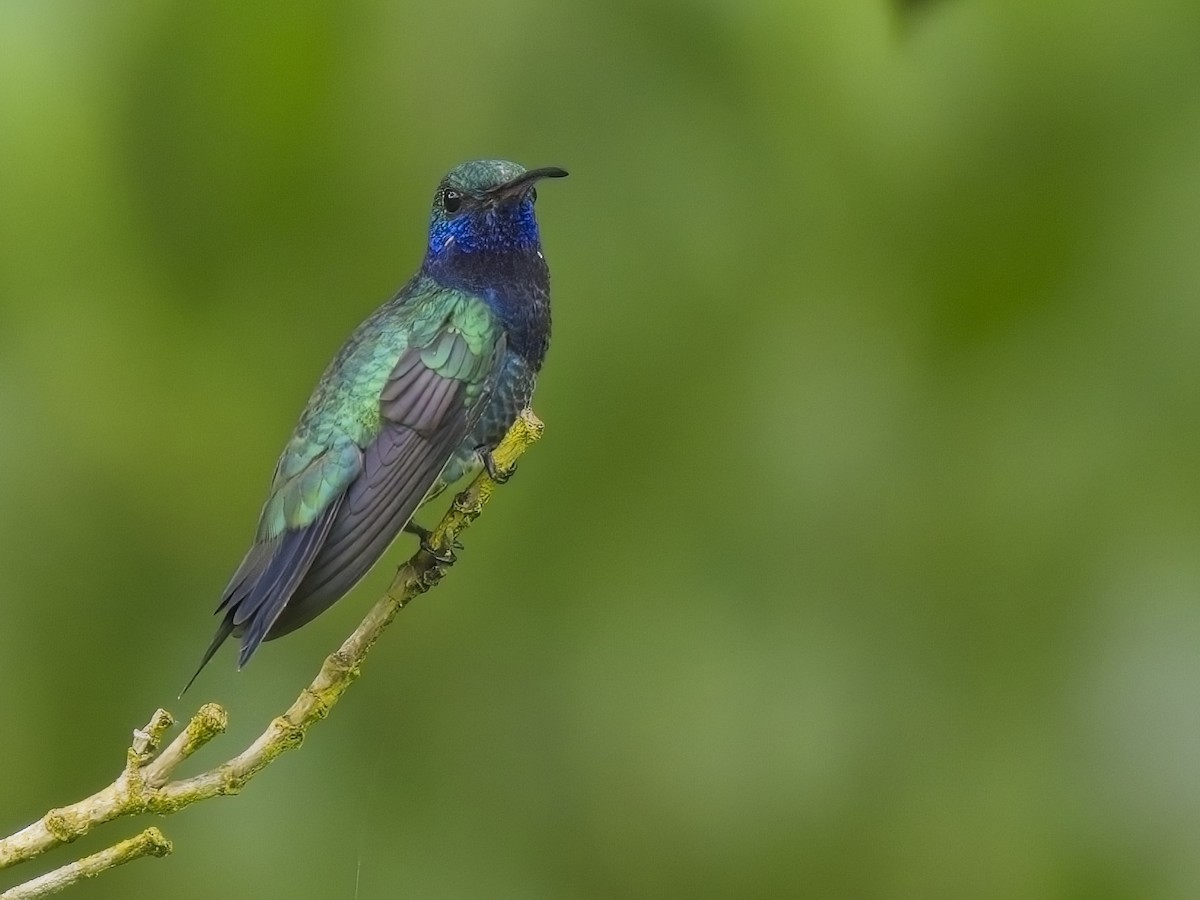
149, 843
145, 785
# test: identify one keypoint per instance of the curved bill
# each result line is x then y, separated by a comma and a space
524, 181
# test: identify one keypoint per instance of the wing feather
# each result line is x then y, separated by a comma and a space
254, 616
335, 508
426, 416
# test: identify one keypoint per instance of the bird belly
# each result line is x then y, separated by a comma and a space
511, 394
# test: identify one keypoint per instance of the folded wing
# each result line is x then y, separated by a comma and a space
334, 510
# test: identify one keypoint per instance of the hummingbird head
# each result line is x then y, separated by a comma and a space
486, 206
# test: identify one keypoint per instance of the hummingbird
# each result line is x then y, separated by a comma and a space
418, 397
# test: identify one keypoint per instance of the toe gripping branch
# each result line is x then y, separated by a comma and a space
494, 471
148, 784
447, 556
444, 557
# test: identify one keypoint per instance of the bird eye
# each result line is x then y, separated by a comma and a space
451, 201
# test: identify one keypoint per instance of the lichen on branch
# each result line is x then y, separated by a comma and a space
145, 784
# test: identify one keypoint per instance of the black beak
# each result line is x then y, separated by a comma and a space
524, 182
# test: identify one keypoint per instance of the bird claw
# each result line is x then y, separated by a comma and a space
494, 471
422, 533
445, 557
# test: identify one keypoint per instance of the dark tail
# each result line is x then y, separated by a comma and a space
223, 631
263, 584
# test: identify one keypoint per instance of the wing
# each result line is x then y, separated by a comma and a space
307, 491
333, 510
430, 403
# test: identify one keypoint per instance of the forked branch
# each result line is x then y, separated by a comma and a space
146, 786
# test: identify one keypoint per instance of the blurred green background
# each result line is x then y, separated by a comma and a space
860, 556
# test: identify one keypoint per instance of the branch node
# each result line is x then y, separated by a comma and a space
209, 721
343, 664
156, 842
290, 736
64, 826
145, 784
146, 740
231, 781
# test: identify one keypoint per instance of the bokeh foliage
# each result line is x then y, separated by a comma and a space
860, 557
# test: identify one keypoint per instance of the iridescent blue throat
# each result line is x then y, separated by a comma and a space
509, 226
496, 255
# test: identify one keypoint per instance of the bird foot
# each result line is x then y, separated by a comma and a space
445, 557
494, 471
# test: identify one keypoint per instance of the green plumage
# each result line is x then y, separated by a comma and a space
343, 414
418, 396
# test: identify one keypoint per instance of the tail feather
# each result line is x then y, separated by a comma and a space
398, 469
223, 631
277, 582
263, 585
